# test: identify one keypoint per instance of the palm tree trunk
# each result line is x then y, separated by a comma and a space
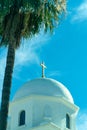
7, 87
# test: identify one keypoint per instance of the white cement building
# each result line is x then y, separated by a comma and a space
42, 104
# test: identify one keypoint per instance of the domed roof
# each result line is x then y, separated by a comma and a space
44, 86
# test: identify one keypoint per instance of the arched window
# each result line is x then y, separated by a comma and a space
67, 121
47, 111
22, 118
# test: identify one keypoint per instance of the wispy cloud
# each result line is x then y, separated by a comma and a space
80, 13
2, 63
29, 51
54, 73
25, 55
82, 121
2, 67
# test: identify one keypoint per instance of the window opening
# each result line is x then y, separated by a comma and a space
22, 118
67, 121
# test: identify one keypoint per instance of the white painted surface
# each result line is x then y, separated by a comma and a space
44, 86
46, 103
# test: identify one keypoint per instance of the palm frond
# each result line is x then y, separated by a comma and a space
24, 18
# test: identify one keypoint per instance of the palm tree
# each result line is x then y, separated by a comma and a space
23, 18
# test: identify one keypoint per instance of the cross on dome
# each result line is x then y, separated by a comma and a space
43, 68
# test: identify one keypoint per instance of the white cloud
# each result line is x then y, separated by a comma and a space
25, 55
82, 121
54, 73
80, 12
2, 67
29, 49
2, 64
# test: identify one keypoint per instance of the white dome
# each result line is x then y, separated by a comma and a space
44, 86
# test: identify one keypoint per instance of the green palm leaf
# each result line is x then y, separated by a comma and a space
23, 18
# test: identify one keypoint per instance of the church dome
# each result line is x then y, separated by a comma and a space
44, 86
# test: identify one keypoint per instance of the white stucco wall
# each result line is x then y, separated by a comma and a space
35, 106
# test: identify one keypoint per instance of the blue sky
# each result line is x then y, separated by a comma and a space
64, 53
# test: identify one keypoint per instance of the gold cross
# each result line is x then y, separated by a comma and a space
43, 68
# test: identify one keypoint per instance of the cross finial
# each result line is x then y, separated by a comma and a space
43, 68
